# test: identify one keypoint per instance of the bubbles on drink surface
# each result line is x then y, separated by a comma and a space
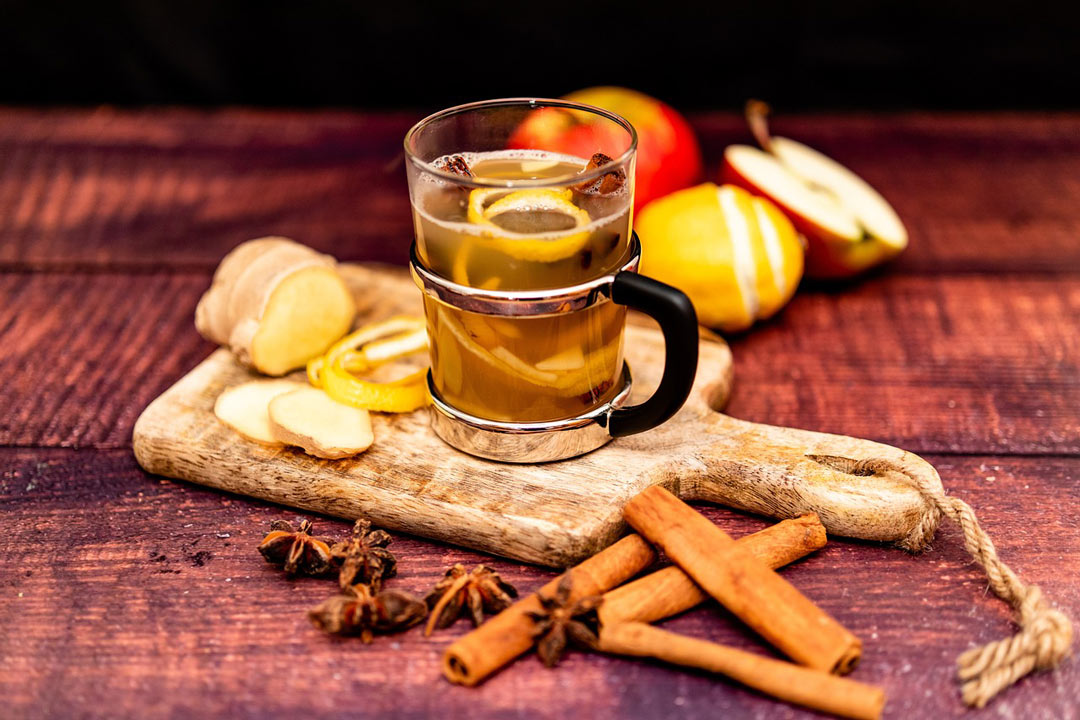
600, 196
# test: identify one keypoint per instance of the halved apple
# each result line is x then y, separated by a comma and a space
849, 226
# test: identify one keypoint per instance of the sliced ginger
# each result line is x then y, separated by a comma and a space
276, 304
310, 419
306, 417
246, 408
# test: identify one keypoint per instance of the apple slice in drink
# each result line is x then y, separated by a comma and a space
594, 370
572, 358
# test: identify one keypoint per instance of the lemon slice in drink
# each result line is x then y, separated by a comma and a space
525, 213
479, 200
460, 270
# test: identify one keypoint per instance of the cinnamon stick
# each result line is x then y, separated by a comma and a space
670, 591
783, 680
742, 583
488, 648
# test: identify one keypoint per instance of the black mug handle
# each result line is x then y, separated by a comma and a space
674, 312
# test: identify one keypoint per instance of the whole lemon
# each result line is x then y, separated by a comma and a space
735, 254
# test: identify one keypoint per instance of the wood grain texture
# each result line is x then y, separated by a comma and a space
185, 187
554, 513
933, 364
145, 598
978, 192
125, 596
84, 353
971, 364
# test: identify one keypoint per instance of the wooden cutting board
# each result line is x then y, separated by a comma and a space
553, 514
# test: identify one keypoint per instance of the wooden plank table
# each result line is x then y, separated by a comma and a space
126, 595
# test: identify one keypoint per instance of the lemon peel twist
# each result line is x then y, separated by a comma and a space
362, 351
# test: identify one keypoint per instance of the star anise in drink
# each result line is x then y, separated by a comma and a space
562, 622
606, 184
363, 558
480, 590
456, 165
295, 549
592, 395
359, 611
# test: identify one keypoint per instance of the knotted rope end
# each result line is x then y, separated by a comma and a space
1046, 634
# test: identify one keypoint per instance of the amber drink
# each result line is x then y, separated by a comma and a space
524, 220
526, 259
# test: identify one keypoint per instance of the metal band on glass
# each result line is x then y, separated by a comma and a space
525, 442
521, 303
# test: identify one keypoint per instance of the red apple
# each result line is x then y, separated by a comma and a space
668, 157
849, 226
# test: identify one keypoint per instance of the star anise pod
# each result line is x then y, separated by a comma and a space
296, 550
456, 165
479, 590
563, 622
363, 558
359, 611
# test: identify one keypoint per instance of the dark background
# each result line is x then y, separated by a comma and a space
409, 54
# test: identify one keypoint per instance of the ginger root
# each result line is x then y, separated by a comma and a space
321, 426
276, 304
246, 408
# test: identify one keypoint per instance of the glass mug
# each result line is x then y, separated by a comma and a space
527, 261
